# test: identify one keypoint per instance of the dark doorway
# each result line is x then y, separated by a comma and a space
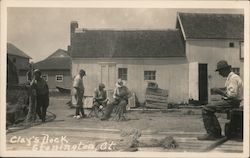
203, 84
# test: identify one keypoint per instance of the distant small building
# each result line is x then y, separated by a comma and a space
56, 69
20, 60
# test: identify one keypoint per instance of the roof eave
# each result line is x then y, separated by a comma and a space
164, 57
182, 28
47, 69
195, 39
28, 57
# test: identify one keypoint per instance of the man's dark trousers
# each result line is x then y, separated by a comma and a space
42, 105
210, 121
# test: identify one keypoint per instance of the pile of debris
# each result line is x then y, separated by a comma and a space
156, 97
131, 140
166, 143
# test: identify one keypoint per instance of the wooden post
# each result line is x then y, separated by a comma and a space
31, 117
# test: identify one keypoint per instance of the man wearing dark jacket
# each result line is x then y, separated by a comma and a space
42, 94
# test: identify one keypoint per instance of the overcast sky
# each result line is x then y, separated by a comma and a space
41, 31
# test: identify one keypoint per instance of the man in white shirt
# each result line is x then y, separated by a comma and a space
78, 93
232, 97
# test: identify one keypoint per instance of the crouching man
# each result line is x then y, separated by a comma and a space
121, 95
100, 98
232, 97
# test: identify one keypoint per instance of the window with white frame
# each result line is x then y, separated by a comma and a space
45, 77
149, 75
59, 78
123, 73
236, 70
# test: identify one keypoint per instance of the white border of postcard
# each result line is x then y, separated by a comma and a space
122, 4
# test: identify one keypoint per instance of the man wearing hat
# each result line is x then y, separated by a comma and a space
232, 97
78, 94
42, 94
121, 95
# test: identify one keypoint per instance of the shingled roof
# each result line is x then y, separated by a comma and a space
59, 53
54, 64
127, 44
211, 26
13, 50
59, 60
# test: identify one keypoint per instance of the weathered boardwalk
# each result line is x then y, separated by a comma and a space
187, 141
66, 133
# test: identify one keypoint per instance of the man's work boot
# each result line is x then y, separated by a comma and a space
209, 137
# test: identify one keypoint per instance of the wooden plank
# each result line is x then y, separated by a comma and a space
158, 92
230, 148
155, 100
156, 106
231, 151
157, 103
156, 97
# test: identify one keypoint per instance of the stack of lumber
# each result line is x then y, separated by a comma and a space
156, 98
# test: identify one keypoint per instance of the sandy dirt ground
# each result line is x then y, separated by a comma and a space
184, 125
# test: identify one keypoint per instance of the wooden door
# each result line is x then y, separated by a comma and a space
203, 84
108, 75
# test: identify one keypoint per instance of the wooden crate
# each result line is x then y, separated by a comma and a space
156, 98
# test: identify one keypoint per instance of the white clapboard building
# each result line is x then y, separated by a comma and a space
181, 60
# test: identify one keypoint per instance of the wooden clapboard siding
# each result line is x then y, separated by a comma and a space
171, 74
210, 52
52, 83
92, 79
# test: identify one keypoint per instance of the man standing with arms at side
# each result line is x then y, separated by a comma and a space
78, 93
232, 97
